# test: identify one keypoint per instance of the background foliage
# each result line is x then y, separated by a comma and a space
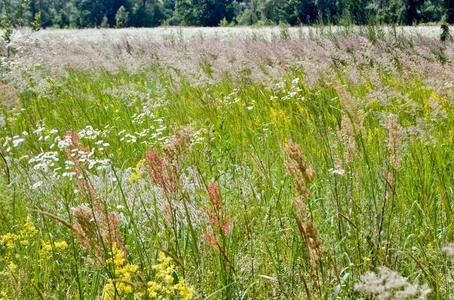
148, 13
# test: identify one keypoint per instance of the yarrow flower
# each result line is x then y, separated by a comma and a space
388, 284
449, 250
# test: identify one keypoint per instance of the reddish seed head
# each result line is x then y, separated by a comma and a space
161, 171
214, 196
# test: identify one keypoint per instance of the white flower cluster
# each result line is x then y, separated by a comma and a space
89, 133
45, 161
388, 284
61, 143
140, 118
198, 136
152, 135
231, 98
449, 250
294, 91
12, 142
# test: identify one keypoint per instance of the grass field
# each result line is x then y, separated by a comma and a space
278, 163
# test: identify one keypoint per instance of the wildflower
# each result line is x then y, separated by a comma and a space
3, 295
154, 289
136, 174
165, 268
58, 246
337, 171
122, 282
165, 285
186, 293
12, 268
8, 240
449, 250
388, 284
36, 185
28, 230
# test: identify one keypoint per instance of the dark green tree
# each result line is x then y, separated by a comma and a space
412, 11
203, 12
147, 14
449, 5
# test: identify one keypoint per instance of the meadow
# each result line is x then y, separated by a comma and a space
228, 163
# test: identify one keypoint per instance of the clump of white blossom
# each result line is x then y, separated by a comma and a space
388, 284
449, 250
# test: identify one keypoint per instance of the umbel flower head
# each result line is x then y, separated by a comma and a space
449, 250
388, 284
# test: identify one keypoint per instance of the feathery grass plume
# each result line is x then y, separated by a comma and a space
393, 141
388, 284
449, 250
216, 214
297, 167
179, 142
95, 227
8, 94
219, 221
308, 232
162, 171
347, 102
346, 134
351, 122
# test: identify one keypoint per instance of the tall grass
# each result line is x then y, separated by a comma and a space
283, 190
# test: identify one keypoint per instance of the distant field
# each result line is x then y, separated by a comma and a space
227, 163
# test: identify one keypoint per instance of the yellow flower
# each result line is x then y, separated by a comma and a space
124, 281
3, 296
46, 248
186, 293
8, 240
12, 268
123, 276
28, 230
62, 245
136, 173
153, 289
108, 291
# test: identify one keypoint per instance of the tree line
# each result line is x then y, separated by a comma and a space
149, 13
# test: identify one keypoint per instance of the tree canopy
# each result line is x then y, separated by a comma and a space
149, 13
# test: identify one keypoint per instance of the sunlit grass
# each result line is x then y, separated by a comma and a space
201, 175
